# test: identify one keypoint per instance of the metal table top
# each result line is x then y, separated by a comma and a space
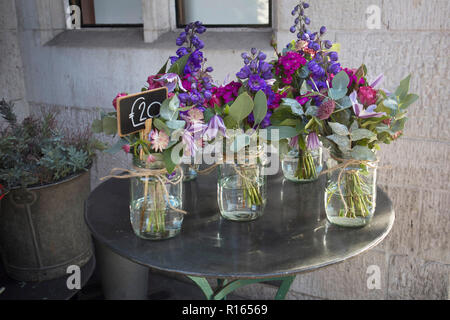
292, 236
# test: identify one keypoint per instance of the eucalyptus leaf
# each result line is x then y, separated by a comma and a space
260, 110
230, 123
311, 110
242, 107
283, 133
161, 126
168, 110
345, 102
363, 153
336, 93
176, 124
342, 141
339, 129
360, 134
295, 106
341, 81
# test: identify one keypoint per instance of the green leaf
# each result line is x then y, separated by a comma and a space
97, 126
161, 126
354, 126
179, 65
345, 102
117, 146
408, 100
283, 132
311, 110
304, 72
169, 110
168, 162
363, 153
208, 114
342, 141
281, 114
230, 123
295, 106
339, 129
360, 134
109, 125
163, 68
336, 93
403, 88
341, 81
176, 124
260, 110
242, 107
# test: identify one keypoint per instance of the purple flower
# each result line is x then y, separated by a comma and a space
362, 113
293, 142
312, 141
214, 126
377, 81
170, 81
255, 83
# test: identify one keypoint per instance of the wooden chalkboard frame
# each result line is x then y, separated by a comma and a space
119, 100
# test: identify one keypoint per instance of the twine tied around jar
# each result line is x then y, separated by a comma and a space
343, 165
159, 174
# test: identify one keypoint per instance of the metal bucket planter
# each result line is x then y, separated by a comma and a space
42, 230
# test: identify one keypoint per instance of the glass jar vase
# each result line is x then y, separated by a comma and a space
350, 195
153, 200
302, 166
241, 189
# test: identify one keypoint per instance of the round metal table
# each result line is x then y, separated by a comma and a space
291, 237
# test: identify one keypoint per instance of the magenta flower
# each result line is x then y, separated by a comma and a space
362, 113
126, 148
367, 95
214, 126
170, 81
123, 94
312, 141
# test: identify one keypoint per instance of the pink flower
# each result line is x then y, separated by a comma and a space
159, 140
362, 113
353, 77
326, 109
152, 84
151, 158
126, 148
114, 103
367, 96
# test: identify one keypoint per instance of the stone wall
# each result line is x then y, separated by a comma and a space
77, 71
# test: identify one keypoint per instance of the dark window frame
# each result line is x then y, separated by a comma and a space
89, 14
179, 17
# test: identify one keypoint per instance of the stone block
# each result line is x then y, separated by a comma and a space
404, 236
347, 280
413, 278
435, 226
8, 16
415, 164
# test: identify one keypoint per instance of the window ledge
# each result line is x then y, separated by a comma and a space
132, 38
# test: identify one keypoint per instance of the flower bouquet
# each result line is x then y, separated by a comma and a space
238, 110
156, 181
352, 117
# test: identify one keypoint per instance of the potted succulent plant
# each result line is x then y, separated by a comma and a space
44, 173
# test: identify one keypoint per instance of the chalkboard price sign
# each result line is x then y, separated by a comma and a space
133, 110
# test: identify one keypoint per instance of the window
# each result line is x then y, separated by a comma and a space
225, 13
110, 13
